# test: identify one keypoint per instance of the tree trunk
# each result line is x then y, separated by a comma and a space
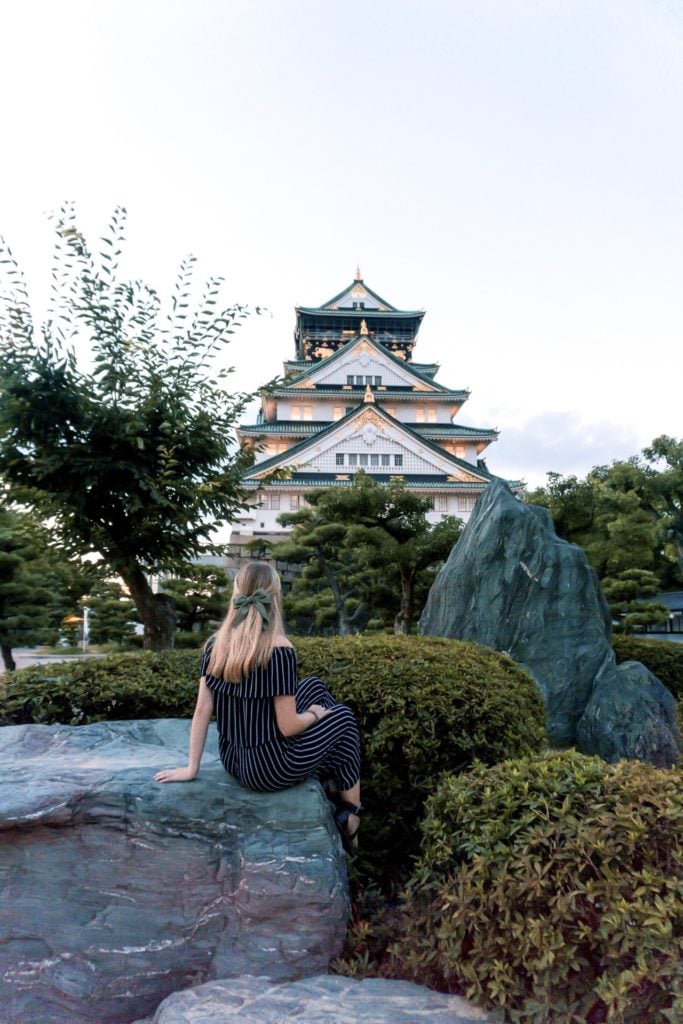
9, 662
339, 602
404, 619
157, 611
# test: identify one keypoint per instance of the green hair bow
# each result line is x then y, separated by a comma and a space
260, 600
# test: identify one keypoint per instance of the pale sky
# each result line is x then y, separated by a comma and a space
513, 167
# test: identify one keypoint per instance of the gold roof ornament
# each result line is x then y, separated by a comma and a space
369, 397
358, 274
364, 327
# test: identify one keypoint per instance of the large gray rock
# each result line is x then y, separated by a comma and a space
510, 583
117, 890
322, 1000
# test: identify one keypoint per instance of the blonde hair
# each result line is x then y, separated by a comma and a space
240, 647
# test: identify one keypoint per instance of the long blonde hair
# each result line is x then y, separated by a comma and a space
240, 647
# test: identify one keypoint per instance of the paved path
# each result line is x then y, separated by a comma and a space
25, 656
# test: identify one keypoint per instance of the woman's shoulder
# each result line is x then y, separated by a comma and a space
282, 641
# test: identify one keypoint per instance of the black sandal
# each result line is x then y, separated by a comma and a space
341, 817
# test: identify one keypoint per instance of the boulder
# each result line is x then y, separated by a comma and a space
117, 890
510, 583
625, 716
321, 1000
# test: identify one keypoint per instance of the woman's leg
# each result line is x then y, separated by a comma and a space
312, 690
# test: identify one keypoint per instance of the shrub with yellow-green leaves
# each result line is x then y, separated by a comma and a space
551, 888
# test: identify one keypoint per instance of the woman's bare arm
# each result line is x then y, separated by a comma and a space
198, 730
289, 722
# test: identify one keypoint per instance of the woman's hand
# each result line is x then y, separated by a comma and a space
176, 775
318, 710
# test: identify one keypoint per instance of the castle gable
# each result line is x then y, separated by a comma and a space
362, 358
370, 439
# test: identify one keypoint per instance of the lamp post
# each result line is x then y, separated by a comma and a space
86, 628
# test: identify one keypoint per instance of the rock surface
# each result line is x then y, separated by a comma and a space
117, 891
322, 1000
510, 583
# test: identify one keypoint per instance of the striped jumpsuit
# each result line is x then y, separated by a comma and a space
251, 746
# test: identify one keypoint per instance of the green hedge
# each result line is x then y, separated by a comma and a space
663, 657
115, 687
551, 888
425, 706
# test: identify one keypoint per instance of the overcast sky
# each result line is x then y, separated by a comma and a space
513, 167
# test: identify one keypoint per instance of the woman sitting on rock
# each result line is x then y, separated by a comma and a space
274, 730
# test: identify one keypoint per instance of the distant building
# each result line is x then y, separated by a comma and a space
353, 399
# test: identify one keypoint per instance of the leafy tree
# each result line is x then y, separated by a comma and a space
112, 613
134, 458
390, 534
374, 548
200, 596
326, 591
627, 515
626, 595
665, 498
27, 603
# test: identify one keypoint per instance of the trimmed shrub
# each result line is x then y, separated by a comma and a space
116, 687
425, 705
551, 889
663, 657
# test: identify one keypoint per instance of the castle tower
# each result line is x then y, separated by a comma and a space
352, 399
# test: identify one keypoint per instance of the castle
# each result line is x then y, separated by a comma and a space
353, 399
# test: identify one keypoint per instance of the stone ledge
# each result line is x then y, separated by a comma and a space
117, 891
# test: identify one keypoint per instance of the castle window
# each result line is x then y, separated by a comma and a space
368, 379
353, 460
339, 458
460, 451
363, 459
420, 415
338, 412
359, 380
466, 502
294, 502
374, 460
391, 409
349, 378
431, 415
386, 460
350, 408
378, 381
296, 412
274, 501
398, 460
442, 500
308, 412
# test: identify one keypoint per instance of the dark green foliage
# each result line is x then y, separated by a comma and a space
369, 554
112, 613
424, 706
201, 594
117, 687
551, 889
663, 658
626, 593
628, 515
135, 458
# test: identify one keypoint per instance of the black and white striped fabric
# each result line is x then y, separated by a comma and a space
251, 746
